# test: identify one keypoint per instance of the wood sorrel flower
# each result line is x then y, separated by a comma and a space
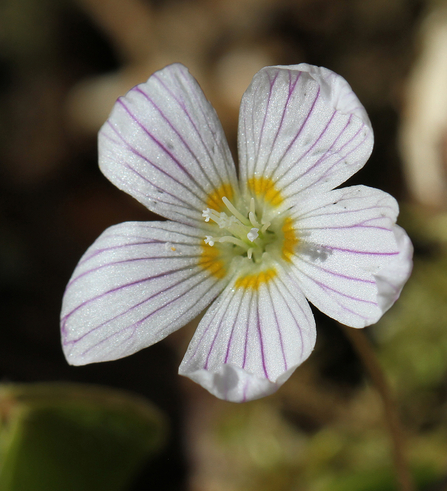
251, 248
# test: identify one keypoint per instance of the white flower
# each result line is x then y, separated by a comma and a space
251, 249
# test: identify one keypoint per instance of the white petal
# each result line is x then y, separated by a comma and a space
353, 260
164, 145
302, 127
135, 285
250, 341
391, 280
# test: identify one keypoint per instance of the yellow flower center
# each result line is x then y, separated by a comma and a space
252, 236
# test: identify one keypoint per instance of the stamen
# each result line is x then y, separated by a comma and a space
253, 220
209, 240
253, 234
234, 211
206, 214
265, 227
233, 240
252, 205
223, 220
245, 232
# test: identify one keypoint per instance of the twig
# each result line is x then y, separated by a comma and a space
366, 353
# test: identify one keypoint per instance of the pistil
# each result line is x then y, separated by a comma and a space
244, 231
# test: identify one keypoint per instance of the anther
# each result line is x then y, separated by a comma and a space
253, 234
209, 240
235, 212
206, 214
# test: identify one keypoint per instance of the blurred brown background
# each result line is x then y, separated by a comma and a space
62, 65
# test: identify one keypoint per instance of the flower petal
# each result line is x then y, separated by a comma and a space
135, 285
251, 340
164, 145
391, 280
303, 128
352, 261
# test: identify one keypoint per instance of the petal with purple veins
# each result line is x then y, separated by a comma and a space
352, 260
391, 280
251, 340
303, 128
164, 145
135, 285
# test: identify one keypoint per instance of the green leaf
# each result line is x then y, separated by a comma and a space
74, 437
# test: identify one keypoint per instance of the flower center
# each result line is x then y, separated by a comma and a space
250, 233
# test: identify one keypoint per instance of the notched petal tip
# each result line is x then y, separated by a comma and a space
304, 128
334, 88
232, 383
164, 145
337, 90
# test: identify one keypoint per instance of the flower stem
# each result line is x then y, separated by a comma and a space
366, 353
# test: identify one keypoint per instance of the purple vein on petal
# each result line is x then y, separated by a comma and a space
144, 242
303, 125
138, 154
198, 133
159, 144
218, 330
292, 142
339, 150
147, 299
353, 312
292, 86
135, 325
291, 311
345, 295
252, 138
327, 212
179, 210
334, 273
343, 157
255, 301
309, 149
278, 327
198, 235
205, 116
230, 340
96, 252
266, 115
128, 285
143, 319
247, 328
347, 227
351, 151
329, 152
366, 253
343, 307
125, 261
185, 144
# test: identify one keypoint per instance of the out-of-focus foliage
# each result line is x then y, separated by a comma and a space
73, 437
